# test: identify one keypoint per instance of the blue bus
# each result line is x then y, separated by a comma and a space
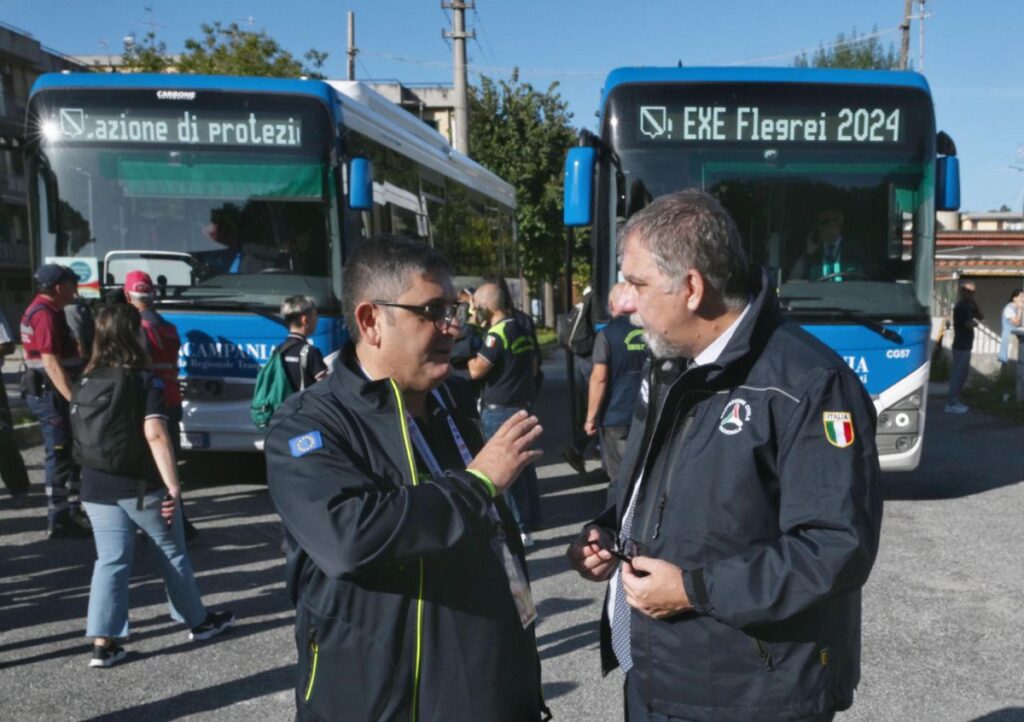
234, 193
794, 154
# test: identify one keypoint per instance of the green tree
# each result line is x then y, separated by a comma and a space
149, 56
224, 50
856, 51
523, 135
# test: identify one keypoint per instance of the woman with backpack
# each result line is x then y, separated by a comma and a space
119, 426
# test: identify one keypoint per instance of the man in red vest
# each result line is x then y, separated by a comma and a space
163, 345
51, 365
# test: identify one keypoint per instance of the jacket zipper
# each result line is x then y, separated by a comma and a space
414, 475
314, 650
661, 513
764, 652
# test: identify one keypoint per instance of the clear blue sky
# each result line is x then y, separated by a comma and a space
973, 48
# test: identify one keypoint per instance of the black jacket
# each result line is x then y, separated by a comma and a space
403, 608
774, 525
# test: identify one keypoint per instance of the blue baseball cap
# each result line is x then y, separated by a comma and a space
50, 274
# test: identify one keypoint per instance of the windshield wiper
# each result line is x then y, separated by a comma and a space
866, 322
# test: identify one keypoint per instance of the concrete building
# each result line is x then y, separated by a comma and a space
22, 60
433, 104
992, 221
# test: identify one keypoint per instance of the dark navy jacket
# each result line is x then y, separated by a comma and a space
403, 610
761, 481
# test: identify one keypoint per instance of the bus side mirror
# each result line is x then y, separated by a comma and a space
947, 183
360, 184
579, 186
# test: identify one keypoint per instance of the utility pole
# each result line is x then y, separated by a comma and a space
459, 35
352, 45
920, 29
908, 7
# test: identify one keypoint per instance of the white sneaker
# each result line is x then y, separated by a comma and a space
527, 539
957, 408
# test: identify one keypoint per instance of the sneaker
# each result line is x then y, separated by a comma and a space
67, 530
527, 539
107, 656
79, 518
957, 408
214, 624
575, 460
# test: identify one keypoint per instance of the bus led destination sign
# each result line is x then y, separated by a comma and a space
79, 125
752, 123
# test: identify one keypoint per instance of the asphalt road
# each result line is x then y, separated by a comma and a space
943, 610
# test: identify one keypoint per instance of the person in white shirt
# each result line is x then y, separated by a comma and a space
1012, 317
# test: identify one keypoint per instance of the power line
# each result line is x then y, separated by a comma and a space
489, 51
447, 24
486, 68
573, 73
835, 44
366, 72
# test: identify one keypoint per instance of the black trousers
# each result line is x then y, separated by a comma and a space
12, 466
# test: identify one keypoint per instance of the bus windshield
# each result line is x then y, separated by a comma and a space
233, 189
821, 188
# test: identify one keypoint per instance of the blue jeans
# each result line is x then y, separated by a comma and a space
113, 530
958, 374
524, 500
61, 472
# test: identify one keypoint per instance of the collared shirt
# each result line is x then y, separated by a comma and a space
705, 357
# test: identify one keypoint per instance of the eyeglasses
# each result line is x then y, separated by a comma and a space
442, 315
626, 549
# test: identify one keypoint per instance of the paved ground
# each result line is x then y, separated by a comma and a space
943, 638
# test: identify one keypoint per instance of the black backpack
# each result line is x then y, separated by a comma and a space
108, 410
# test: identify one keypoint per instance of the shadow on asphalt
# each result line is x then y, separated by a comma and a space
554, 690
47, 580
1009, 714
918, 486
568, 640
195, 701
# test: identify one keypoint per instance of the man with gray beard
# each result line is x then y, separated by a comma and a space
750, 507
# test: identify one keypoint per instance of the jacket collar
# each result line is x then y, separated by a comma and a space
353, 389
763, 317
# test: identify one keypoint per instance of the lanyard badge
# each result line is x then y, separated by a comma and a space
518, 586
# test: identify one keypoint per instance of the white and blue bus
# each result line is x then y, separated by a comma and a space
234, 193
785, 150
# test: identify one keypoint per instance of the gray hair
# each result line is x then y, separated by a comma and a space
295, 307
691, 229
382, 268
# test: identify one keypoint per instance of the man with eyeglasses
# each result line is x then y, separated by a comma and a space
404, 563
750, 508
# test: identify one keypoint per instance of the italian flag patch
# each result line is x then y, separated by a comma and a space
838, 428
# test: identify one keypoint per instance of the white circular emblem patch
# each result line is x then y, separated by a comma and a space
735, 414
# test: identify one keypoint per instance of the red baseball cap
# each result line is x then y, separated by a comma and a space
138, 282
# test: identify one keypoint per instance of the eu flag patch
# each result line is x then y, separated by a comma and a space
310, 441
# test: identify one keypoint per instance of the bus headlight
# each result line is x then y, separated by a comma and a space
899, 426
